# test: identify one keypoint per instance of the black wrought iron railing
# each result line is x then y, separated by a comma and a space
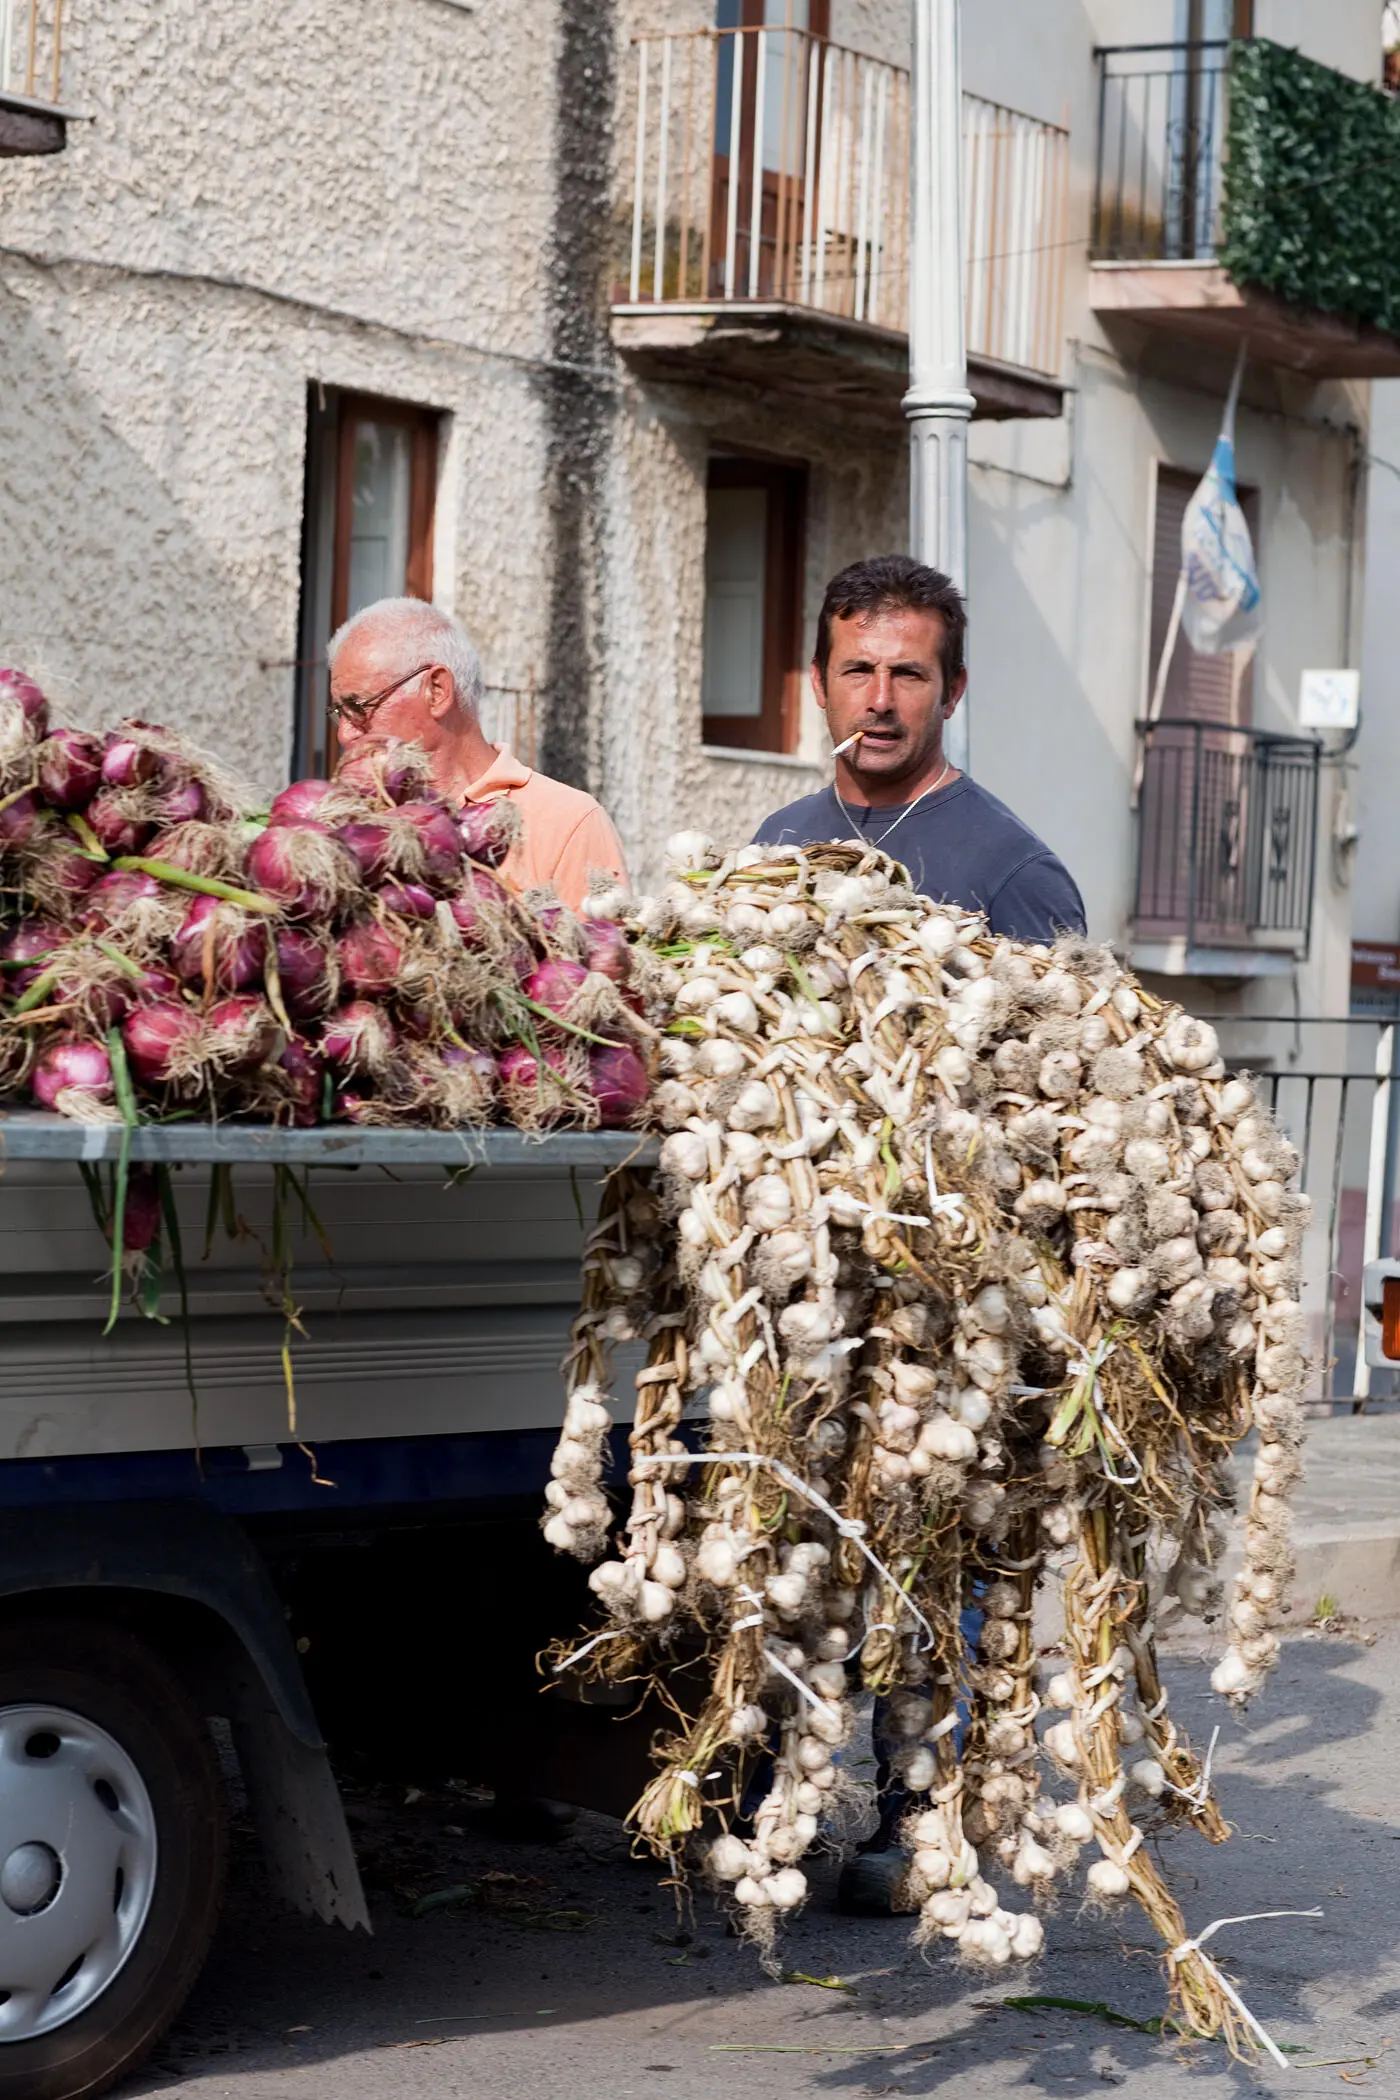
1227, 836
1157, 185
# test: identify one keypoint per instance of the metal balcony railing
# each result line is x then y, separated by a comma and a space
31, 49
1227, 836
769, 164
1157, 185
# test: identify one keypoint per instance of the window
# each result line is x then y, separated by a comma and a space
779, 123
752, 679
371, 472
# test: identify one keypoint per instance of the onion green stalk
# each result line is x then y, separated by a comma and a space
126, 1102
86, 836
207, 885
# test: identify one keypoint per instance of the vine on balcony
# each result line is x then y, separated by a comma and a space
1312, 185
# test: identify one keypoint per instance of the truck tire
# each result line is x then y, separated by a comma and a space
112, 1840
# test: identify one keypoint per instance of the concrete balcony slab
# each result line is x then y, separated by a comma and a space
1198, 300
775, 346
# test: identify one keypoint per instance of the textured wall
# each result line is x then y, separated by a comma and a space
311, 192
421, 201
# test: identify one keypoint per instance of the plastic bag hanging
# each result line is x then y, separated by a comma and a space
1221, 607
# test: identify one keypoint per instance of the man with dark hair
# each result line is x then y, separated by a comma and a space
888, 672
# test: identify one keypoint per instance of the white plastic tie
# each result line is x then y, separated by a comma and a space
613, 1633
1198, 1794
817, 1703
1197, 1946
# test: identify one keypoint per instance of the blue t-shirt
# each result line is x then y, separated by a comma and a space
961, 846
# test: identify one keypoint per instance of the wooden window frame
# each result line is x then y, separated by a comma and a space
775, 726
331, 438
818, 17
422, 492
781, 201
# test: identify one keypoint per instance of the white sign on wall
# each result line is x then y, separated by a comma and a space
1329, 700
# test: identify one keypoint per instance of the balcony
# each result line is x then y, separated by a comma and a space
767, 241
1227, 830
1226, 205
32, 119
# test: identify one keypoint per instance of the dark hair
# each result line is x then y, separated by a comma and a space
890, 583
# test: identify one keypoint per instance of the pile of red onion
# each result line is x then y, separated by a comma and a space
355, 953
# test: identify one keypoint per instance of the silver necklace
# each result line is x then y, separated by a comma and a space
932, 788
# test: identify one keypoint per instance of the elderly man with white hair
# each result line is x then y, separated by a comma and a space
402, 668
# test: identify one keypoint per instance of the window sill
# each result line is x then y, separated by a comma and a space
746, 755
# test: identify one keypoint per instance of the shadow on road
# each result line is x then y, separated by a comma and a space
576, 1936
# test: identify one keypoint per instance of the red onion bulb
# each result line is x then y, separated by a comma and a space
607, 949
301, 802
126, 763
114, 893
439, 839
307, 870
409, 899
358, 1037
182, 803
141, 1216
34, 937
370, 844
402, 770
242, 1032
70, 769
20, 687
304, 973
487, 831
520, 1067
18, 821
115, 830
71, 1067
371, 960
239, 945
302, 1080
555, 983
619, 1084
158, 1038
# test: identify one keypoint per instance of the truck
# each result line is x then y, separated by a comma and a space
291, 1509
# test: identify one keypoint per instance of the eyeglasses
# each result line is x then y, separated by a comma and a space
350, 709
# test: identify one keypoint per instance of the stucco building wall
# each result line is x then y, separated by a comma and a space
428, 203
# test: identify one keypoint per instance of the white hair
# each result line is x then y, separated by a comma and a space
424, 632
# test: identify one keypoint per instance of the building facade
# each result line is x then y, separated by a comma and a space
586, 318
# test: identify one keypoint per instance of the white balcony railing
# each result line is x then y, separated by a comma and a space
31, 49
1015, 209
770, 164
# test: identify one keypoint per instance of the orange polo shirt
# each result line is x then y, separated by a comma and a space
564, 835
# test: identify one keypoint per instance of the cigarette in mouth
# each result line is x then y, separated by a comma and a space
846, 745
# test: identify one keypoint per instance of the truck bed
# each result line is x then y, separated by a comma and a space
436, 1303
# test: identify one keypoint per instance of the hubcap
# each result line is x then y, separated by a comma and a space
29, 1879
77, 1865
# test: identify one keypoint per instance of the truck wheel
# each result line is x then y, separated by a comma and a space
111, 1854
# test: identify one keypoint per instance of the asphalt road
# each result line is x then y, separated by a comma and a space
565, 1970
